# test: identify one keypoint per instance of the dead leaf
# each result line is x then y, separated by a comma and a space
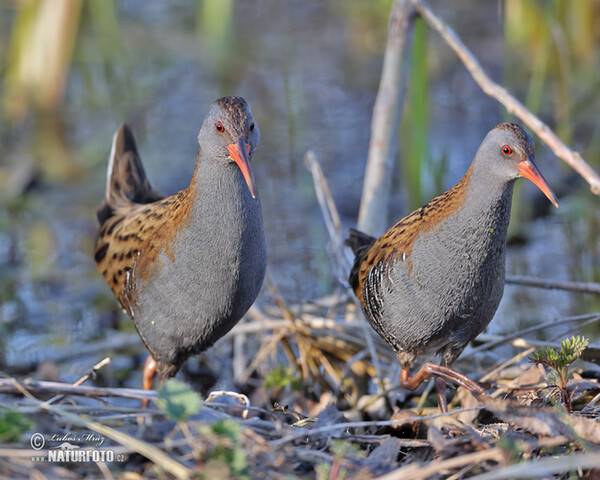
544, 420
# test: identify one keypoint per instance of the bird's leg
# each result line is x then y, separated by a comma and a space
440, 388
148, 380
412, 382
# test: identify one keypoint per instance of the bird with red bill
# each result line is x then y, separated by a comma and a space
434, 280
186, 268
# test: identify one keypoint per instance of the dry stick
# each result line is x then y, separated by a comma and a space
517, 358
528, 343
83, 379
343, 426
512, 105
329, 213
589, 354
374, 204
416, 471
7, 385
544, 467
328, 208
152, 453
334, 225
330, 216
508, 338
584, 287
260, 355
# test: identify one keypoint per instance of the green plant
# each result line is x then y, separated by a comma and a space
224, 450
12, 425
342, 452
281, 377
560, 361
178, 400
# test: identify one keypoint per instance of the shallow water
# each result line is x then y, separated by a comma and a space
310, 72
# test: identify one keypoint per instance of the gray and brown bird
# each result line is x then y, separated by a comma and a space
186, 268
434, 280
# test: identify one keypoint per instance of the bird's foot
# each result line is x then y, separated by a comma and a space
440, 388
441, 374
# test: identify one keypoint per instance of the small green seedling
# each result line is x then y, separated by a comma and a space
560, 361
223, 451
281, 377
178, 400
13, 425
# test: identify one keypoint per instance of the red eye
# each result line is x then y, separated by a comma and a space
220, 128
506, 150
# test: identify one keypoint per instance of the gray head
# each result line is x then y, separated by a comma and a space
506, 154
229, 133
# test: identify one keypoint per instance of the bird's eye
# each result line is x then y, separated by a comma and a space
506, 150
220, 128
252, 127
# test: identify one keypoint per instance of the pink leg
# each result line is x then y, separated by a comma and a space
148, 379
441, 373
440, 388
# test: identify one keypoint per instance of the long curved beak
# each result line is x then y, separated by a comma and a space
529, 170
239, 154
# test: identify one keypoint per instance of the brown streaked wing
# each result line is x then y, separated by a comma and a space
130, 241
398, 241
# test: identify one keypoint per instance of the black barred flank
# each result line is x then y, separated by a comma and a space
101, 253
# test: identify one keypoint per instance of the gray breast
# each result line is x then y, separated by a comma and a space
445, 292
214, 274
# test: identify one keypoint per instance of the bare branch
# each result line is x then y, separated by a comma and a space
583, 287
83, 379
374, 205
512, 105
7, 386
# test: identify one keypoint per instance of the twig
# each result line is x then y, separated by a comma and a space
512, 105
328, 208
521, 342
330, 216
416, 471
83, 379
541, 326
368, 332
315, 323
344, 426
7, 385
260, 355
240, 397
374, 205
517, 358
544, 467
154, 454
584, 287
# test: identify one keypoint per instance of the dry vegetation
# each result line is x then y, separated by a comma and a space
321, 398
321, 402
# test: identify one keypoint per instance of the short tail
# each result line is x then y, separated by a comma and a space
360, 243
358, 240
126, 181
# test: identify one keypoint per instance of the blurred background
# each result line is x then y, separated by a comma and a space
73, 71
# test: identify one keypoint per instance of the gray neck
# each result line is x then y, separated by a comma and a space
220, 186
486, 212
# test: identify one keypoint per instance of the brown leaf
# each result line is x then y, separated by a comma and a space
544, 420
